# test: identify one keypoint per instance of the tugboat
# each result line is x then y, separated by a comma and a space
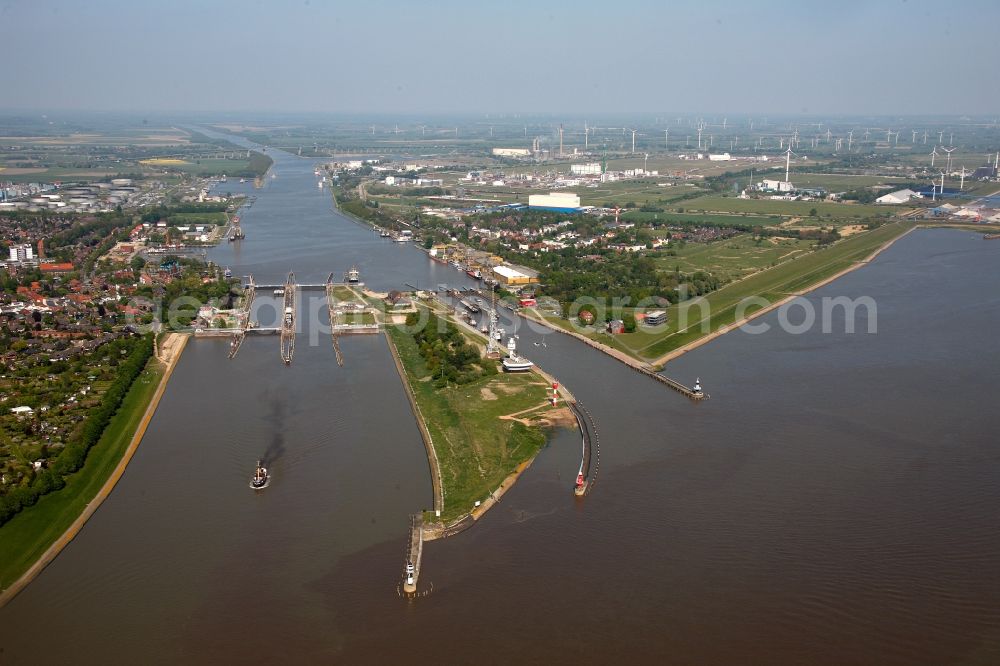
696, 389
353, 276
475, 274
260, 478
512, 362
228, 273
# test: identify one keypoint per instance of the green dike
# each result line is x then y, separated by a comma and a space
772, 284
475, 448
29, 534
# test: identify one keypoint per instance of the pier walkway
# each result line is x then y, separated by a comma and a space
414, 553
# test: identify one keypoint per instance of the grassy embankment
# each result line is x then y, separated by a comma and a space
476, 449
696, 318
30, 533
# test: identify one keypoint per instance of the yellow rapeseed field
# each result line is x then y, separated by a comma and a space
163, 161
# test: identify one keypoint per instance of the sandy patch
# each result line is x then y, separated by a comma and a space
850, 230
487, 394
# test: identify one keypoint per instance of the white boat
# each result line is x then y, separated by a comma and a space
279, 292
512, 362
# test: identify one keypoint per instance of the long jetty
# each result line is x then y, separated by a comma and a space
588, 465
288, 321
414, 553
663, 379
331, 310
243, 317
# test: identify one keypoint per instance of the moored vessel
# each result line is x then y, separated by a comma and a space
512, 362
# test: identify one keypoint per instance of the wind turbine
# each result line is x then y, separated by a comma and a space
913, 139
633, 142
586, 136
645, 160
962, 182
949, 151
933, 155
940, 137
850, 140
666, 139
788, 161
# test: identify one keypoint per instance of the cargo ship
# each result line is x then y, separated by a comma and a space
353, 276
260, 478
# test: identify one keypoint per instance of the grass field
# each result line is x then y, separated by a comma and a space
48, 175
696, 318
212, 166
706, 219
716, 203
30, 533
345, 293
218, 218
736, 257
840, 182
476, 449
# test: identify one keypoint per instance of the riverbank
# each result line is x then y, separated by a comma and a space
727, 302
35, 537
763, 311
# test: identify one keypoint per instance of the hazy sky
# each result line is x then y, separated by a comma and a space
580, 57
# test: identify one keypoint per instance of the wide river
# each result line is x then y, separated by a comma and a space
834, 502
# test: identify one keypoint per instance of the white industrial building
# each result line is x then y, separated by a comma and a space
511, 152
22, 252
589, 169
897, 197
776, 186
720, 157
559, 201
